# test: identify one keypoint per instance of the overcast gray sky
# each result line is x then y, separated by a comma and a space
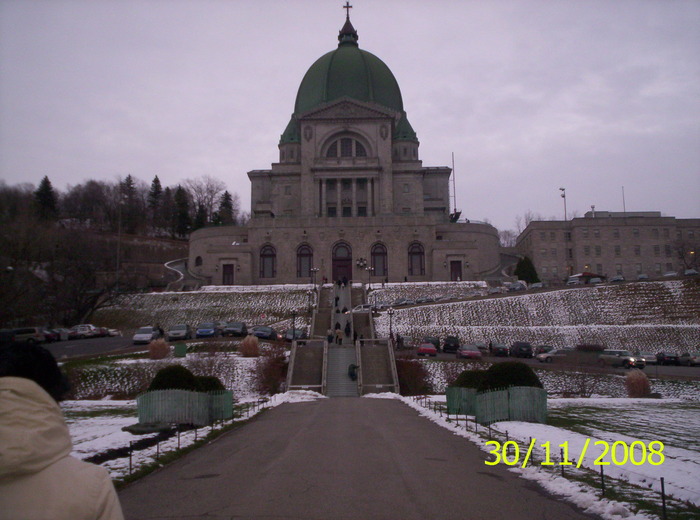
530, 95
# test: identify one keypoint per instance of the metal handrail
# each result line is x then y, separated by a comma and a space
324, 370
358, 355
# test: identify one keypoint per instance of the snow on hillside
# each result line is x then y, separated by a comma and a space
254, 305
639, 316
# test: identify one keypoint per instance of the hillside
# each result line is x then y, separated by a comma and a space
644, 316
255, 305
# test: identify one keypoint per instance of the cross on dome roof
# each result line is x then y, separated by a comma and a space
348, 34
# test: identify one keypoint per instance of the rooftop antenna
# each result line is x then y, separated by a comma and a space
624, 209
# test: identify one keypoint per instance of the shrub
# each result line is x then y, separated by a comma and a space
271, 370
469, 379
174, 377
508, 373
413, 377
209, 384
158, 349
249, 347
637, 384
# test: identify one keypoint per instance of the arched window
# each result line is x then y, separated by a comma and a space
305, 261
416, 259
379, 260
268, 262
198, 261
346, 147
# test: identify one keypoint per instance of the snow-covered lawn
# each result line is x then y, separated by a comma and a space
675, 423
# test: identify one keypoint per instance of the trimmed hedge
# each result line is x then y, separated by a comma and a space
210, 384
469, 379
508, 373
174, 377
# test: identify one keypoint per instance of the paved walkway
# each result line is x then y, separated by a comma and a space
341, 458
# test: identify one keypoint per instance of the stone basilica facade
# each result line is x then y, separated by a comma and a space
349, 196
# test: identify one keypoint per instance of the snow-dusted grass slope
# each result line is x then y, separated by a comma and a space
255, 305
390, 292
644, 316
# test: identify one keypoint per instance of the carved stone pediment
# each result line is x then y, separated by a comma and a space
347, 108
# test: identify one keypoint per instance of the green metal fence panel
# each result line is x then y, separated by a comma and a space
220, 405
184, 407
453, 399
461, 401
180, 350
517, 403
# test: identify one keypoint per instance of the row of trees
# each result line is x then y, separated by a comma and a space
128, 205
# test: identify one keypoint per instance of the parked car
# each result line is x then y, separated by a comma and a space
432, 339
574, 280
690, 272
145, 335
595, 281
63, 334
642, 277
483, 347
29, 335
264, 332
649, 358
516, 286
537, 285
235, 328
667, 358
689, 359
84, 331
468, 352
51, 335
365, 307
180, 331
299, 333
542, 349
451, 344
618, 278
521, 349
551, 355
208, 329
426, 349
424, 300
620, 358
499, 349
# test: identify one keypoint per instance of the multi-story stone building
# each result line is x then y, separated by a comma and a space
610, 243
349, 196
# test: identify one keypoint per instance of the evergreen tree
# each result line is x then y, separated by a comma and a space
200, 218
155, 196
182, 212
224, 214
130, 210
525, 270
166, 212
46, 200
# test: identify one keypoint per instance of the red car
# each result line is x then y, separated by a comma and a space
468, 352
426, 349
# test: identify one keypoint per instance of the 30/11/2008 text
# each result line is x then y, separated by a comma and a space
637, 453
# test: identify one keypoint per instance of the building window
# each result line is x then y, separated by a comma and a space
542, 235
198, 261
567, 236
347, 211
570, 254
379, 260
655, 234
635, 233
618, 251
416, 260
544, 270
618, 268
584, 232
599, 268
268, 262
346, 147
667, 250
553, 252
287, 190
638, 267
554, 271
616, 233
552, 236
596, 233
669, 266
657, 268
361, 211
331, 211
598, 250
543, 252
666, 233
407, 188
657, 250
305, 261
691, 235
637, 250
586, 250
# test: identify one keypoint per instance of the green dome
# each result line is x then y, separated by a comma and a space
348, 71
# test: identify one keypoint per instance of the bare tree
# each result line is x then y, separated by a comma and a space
205, 192
508, 237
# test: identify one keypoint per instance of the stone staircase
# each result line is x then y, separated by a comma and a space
338, 381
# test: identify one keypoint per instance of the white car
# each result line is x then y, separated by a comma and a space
365, 307
145, 335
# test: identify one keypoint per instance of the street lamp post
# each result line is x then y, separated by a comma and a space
369, 270
294, 317
313, 271
390, 312
563, 196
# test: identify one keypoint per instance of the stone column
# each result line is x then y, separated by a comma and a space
354, 197
370, 197
338, 200
323, 197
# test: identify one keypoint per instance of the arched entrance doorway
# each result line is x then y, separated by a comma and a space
342, 261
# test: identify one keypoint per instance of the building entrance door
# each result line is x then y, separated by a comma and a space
342, 261
455, 270
227, 278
